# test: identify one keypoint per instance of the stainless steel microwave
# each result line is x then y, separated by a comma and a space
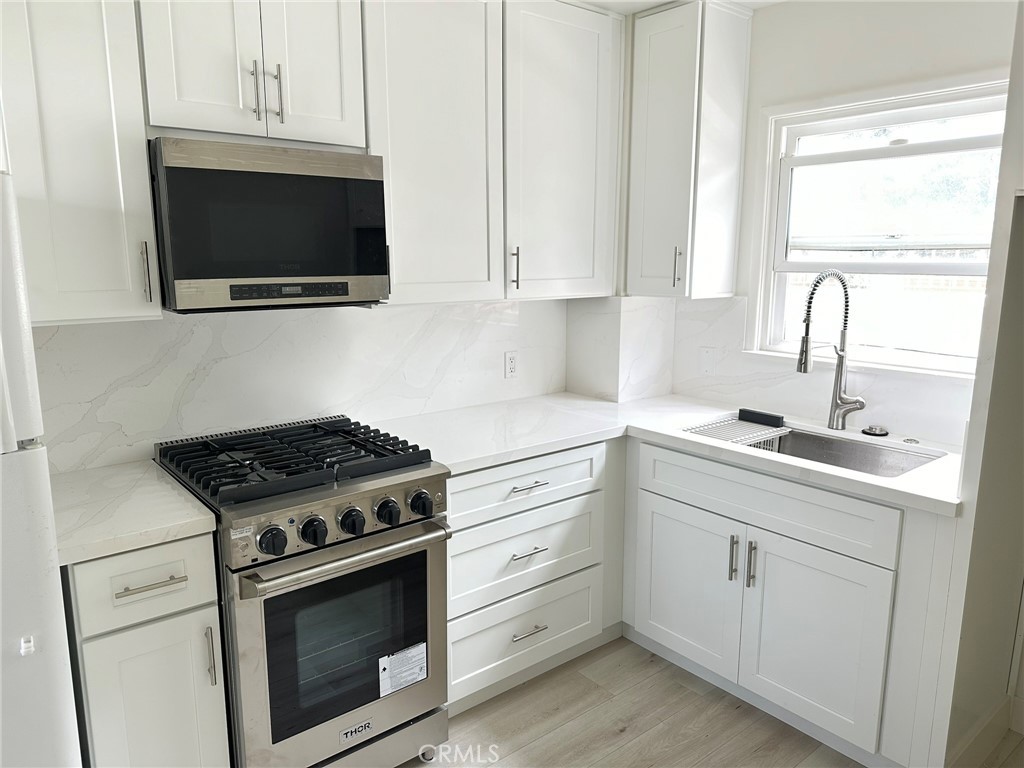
242, 226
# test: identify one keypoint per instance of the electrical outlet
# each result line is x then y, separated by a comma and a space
512, 365
708, 361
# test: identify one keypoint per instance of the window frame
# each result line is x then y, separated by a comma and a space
786, 126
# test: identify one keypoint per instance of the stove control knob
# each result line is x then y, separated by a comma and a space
421, 504
272, 541
388, 512
352, 521
313, 531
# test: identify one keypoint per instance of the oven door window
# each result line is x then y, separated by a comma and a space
325, 642
238, 224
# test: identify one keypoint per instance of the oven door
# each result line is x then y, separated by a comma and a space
338, 646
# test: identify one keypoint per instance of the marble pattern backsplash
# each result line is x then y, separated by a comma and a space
111, 390
709, 337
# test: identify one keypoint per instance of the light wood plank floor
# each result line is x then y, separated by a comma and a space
620, 706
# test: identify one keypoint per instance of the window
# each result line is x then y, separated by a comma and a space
900, 196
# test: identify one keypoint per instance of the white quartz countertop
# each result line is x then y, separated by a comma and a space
467, 439
118, 508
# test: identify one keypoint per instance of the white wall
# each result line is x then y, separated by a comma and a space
111, 390
806, 53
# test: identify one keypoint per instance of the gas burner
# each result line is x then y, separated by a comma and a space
235, 467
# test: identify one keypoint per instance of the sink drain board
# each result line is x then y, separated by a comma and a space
732, 430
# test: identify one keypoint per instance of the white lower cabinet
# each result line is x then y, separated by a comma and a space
689, 597
489, 645
800, 626
815, 634
156, 694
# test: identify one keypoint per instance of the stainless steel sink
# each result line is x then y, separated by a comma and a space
881, 460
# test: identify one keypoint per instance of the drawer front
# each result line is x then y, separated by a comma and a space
480, 497
138, 586
860, 529
493, 561
489, 645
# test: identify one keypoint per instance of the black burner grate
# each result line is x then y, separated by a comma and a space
254, 464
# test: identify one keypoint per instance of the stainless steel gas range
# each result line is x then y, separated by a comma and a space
332, 552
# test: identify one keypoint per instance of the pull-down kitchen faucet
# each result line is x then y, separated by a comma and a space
842, 404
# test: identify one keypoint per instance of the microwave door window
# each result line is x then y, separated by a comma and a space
325, 642
236, 224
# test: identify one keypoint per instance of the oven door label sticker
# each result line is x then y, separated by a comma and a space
403, 668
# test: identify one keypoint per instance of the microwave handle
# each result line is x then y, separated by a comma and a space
255, 585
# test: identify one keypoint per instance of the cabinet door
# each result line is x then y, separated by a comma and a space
562, 93
666, 56
155, 693
689, 591
711, 266
313, 70
815, 634
433, 73
72, 96
200, 58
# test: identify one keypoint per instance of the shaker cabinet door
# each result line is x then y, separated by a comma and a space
76, 130
204, 65
313, 70
562, 89
815, 634
666, 56
433, 74
155, 693
689, 583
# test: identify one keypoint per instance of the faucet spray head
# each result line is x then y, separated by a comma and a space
804, 360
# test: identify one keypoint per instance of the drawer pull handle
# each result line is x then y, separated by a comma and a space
132, 591
733, 542
751, 549
212, 669
536, 551
536, 628
530, 487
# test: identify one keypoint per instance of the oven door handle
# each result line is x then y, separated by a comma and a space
255, 585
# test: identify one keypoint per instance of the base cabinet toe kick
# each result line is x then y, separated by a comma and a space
820, 608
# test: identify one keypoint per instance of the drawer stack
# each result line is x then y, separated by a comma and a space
525, 576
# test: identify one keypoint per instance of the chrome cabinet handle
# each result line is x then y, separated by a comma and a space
256, 88
536, 628
751, 549
733, 543
516, 254
676, 253
212, 669
530, 487
536, 551
280, 94
148, 287
132, 591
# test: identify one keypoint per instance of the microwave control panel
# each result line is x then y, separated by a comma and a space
260, 291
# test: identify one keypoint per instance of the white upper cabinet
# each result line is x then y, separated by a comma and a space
204, 65
313, 70
689, 96
433, 73
72, 99
562, 95
289, 69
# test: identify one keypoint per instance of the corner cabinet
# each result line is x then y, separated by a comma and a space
433, 92
76, 130
284, 69
562, 106
689, 97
